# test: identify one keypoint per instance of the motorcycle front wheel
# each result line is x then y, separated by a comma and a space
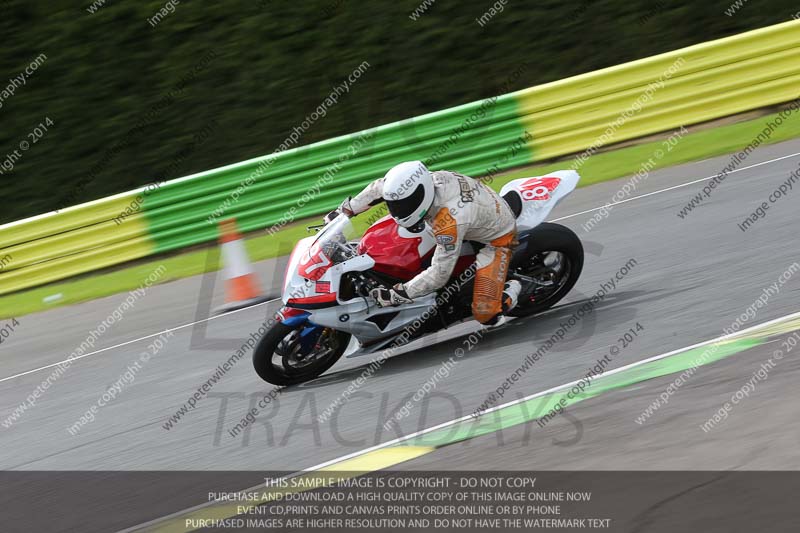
288, 355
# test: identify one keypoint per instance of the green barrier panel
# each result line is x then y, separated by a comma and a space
315, 178
687, 86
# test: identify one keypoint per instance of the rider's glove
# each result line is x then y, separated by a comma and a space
346, 209
390, 297
343, 209
330, 216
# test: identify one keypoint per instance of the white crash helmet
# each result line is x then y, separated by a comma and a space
408, 191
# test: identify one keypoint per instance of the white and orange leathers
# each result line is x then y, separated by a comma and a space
463, 209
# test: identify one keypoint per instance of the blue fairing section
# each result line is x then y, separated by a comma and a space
310, 333
309, 337
297, 320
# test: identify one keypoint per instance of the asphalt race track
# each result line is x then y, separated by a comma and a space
692, 278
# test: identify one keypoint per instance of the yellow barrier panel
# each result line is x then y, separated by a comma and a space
704, 56
75, 241
687, 86
75, 264
49, 224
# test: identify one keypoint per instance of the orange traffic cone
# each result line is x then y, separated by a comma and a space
241, 286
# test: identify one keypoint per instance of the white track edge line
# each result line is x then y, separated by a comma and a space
410, 436
559, 387
606, 206
45, 367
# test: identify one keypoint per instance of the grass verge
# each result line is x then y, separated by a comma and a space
600, 167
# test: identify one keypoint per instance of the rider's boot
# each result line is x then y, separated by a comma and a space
511, 295
510, 298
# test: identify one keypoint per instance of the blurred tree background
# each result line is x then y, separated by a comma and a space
246, 73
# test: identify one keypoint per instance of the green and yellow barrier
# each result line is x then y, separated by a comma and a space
574, 115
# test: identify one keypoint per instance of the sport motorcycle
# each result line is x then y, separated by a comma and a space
329, 276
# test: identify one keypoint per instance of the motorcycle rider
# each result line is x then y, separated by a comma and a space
457, 207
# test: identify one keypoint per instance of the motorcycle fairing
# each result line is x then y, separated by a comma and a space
374, 327
397, 252
540, 194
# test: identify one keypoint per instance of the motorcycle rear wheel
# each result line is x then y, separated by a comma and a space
552, 243
282, 341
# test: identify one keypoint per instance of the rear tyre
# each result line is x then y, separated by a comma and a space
554, 260
279, 358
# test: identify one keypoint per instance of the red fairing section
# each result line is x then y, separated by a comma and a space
320, 299
314, 263
539, 188
394, 255
289, 312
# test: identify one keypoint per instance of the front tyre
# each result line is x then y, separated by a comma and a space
549, 268
288, 355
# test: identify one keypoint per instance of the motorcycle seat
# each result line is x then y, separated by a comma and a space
514, 201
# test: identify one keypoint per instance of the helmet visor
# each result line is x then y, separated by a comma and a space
405, 207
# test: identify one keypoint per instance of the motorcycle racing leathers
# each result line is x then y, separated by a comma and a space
463, 209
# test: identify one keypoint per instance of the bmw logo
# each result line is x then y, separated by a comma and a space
344, 318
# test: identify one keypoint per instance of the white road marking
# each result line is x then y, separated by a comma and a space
606, 206
45, 367
553, 220
454, 421
728, 336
